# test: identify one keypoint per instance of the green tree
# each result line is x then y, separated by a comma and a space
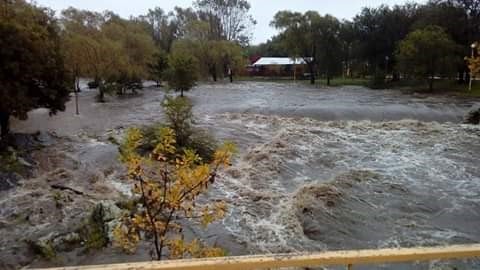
227, 19
135, 48
113, 51
423, 53
182, 72
158, 66
299, 36
329, 46
378, 31
32, 71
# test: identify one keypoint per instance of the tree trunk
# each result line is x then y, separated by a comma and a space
76, 90
328, 78
214, 76
312, 74
430, 83
4, 124
77, 112
101, 95
231, 77
77, 85
181, 92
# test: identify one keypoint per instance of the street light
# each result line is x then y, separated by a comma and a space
473, 46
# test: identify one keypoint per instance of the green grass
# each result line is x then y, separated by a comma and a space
440, 86
264, 79
318, 81
341, 81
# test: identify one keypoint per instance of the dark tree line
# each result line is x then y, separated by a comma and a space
369, 44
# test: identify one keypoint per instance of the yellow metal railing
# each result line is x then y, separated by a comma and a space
328, 258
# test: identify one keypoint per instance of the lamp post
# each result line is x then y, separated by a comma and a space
473, 46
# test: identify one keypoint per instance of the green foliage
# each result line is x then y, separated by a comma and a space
95, 232
9, 163
32, 72
182, 72
58, 198
44, 249
178, 111
227, 20
114, 51
423, 53
158, 66
313, 37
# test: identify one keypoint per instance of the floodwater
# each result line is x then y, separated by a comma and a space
318, 168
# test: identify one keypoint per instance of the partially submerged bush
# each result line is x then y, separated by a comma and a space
95, 232
178, 111
10, 162
43, 249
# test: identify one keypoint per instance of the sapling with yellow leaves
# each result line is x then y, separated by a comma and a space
167, 186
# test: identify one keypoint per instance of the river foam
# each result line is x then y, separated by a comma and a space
301, 184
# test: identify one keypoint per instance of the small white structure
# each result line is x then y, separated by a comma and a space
278, 61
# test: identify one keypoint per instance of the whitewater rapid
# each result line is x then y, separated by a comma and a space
317, 169
300, 184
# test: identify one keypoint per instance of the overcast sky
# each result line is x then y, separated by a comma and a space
262, 10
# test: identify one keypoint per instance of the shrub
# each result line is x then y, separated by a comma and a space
169, 197
178, 111
95, 232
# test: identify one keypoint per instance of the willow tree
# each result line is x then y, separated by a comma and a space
113, 51
298, 32
32, 72
227, 19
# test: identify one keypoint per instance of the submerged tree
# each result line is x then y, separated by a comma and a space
168, 192
182, 72
158, 66
32, 72
422, 53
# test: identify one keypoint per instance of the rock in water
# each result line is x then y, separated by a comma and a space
473, 116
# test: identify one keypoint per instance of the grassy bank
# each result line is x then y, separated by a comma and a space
440, 86
319, 81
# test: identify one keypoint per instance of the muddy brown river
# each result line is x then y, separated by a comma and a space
318, 169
